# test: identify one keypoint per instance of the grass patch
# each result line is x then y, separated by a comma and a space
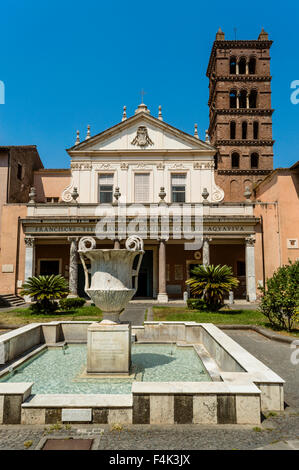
23, 316
222, 317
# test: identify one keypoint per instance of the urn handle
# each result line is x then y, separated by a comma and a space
135, 243
86, 244
86, 286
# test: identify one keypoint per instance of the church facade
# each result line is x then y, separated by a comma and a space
147, 177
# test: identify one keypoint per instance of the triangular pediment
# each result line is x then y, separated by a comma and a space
142, 132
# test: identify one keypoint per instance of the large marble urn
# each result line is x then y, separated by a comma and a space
113, 279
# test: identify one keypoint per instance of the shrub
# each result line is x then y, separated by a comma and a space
211, 284
45, 289
196, 304
44, 307
280, 298
69, 304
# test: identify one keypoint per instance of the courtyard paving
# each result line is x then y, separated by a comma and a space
280, 431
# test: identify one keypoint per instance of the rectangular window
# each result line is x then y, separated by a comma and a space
106, 188
142, 188
178, 187
52, 199
19, 171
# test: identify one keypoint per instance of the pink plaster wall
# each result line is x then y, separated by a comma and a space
281, 219
50, 183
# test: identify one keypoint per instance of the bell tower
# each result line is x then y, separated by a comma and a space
240, 112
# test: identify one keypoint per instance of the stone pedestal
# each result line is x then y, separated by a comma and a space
109, 348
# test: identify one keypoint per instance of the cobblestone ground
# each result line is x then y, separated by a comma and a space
280, 427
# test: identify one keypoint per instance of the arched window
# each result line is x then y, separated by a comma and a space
253, 99
255, 130
232, 130
252, 65
244, 130
233, 99
235, 160
234, 189
232, 65
243, 99
242, 66
254, 160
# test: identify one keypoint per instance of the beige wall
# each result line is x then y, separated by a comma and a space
3, 180
50, 183
12, 247
278, 204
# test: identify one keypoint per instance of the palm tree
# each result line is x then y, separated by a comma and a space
45, 289
212, 283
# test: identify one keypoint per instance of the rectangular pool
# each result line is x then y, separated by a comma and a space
55, 371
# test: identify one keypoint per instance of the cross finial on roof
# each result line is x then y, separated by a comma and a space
142, 94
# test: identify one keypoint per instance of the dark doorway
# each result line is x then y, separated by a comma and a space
145, 278
48, 267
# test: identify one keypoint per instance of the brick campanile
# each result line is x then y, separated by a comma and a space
240, 112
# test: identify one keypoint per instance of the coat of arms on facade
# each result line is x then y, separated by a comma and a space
142, 138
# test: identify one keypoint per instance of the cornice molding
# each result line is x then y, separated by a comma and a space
244, 142
243, 172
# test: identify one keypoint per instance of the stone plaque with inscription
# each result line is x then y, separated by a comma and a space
76, 415
109, 348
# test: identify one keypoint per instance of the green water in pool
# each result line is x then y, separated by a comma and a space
57, 371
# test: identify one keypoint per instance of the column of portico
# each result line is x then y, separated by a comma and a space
73, 267
250, 269
162, 295
206, 251
116, 244
29, 261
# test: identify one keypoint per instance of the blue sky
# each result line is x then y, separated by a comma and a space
66, 64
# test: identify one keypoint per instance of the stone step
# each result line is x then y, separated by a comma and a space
11, 300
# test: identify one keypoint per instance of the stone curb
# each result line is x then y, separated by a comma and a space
10, 327
262, 331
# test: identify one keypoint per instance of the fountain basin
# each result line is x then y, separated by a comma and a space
236, 389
